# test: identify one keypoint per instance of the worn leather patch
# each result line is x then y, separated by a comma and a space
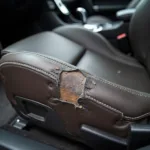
71, 86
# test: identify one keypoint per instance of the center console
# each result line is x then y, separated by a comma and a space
116, 32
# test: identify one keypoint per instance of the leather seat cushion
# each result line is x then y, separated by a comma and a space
91, 53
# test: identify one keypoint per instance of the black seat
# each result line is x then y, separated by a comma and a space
103, 20
107, 89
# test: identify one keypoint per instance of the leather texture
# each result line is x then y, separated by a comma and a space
110, 94
13, 141
5, 108
125, 14
98, 19
90, 104
49, 43
134, 3
94, 54
102, 20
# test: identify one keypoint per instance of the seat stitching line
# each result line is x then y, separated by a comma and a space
122, 88
103, 104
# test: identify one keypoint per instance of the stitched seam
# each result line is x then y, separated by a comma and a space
91, 98
58, 62
103, 104
122, 88
118, 111
31, 67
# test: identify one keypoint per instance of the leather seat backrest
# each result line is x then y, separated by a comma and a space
139, 32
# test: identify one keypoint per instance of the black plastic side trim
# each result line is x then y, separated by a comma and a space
139, 136
102, 140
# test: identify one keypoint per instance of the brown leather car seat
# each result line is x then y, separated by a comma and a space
73, 77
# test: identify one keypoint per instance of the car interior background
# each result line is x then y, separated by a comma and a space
90, 59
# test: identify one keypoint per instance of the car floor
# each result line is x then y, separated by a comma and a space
7, 113
56, 140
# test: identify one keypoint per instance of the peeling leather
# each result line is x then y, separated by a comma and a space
71, 86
